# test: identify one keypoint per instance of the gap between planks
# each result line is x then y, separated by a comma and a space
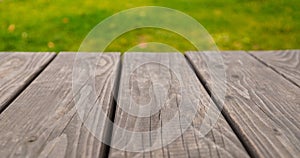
50, 126
27, 83
228, 120
257, 147
137, 59
252, 54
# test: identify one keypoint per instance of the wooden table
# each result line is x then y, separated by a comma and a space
260, 114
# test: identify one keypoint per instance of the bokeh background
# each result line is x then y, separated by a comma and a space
60, 25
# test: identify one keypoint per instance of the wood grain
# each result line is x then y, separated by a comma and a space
261, 105
16, 72
287, 63
166, 84
44, 121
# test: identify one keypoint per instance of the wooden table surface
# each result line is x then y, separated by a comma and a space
258, 113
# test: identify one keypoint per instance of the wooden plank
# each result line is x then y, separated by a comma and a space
17, 70
287, 63
44, 121
260, 104
166, 85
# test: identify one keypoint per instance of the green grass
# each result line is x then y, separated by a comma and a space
52, 25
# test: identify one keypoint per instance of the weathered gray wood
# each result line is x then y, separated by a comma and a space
16, 72
287, 63
43, 121
261, 105
156, 79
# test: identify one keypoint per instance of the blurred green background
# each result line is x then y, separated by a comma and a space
52, 25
